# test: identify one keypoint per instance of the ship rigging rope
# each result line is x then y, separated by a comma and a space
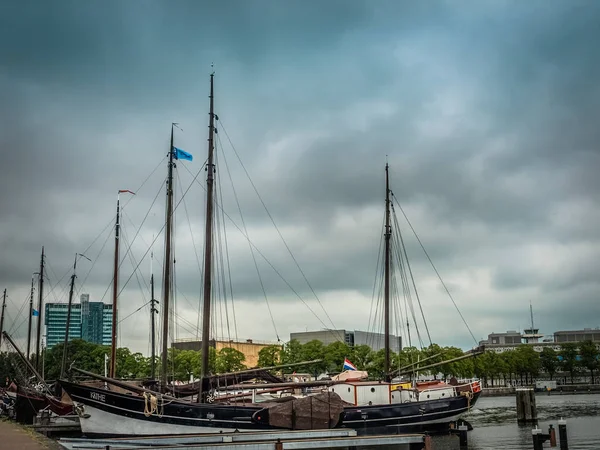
190, 227
434, 268
94, 241
18, 314
221, 281
375, 279
111, 222
112, 279
227, 250
262, 286
268, 262
53, 287
126, 203
278, 231
131, 314
405, 285
163, 227
403, 249
95, 259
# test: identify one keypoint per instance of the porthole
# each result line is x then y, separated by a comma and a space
372, 389
427, 395
348, 389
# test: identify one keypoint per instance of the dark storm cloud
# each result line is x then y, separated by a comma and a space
486, 114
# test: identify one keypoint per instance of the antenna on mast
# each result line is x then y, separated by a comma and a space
531, 313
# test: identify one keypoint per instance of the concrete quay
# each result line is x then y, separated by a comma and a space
16, 437
561, 389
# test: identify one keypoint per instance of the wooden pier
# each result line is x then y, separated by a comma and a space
290, 440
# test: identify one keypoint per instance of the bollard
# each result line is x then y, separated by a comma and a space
562, 434
462, 436
536, 434
526, 407
552, 433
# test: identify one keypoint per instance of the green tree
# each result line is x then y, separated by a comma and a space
128, 364
589, 357
361, 356
314, 350
549, 361
335, 353
269, 356
487, 367
529, 361
453, 368
7, 365
568, 351
509, 365
408, 359
292, 352
376, 367
186, 364
81, 354
229, 360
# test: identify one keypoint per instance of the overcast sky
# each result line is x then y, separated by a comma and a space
485, 110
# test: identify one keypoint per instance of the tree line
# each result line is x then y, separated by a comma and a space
522, 363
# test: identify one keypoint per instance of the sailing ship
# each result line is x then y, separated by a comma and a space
32, 396
133, 410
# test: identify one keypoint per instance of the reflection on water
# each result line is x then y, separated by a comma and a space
495, 424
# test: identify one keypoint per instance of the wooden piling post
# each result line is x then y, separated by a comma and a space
537, 442
562, 435
552, 433
462, 436
427, 441
526, 407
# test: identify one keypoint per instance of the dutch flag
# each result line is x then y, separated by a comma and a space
348, 365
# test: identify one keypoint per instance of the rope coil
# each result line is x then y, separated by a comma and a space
151, 405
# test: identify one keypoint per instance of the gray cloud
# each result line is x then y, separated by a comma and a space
486, 115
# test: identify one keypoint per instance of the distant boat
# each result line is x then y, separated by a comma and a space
29, 398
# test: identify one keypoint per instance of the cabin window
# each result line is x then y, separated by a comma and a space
427, 395
348, 389
443, 394
372, 389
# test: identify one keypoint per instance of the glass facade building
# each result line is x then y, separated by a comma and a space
90, 321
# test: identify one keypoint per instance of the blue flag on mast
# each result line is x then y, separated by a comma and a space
35, 313
180, 154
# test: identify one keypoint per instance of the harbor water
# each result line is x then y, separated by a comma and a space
494, 421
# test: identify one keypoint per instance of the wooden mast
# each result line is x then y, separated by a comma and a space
388, 233
153, 311
64, 360
167, 268
113, 345
39, 316
2, 316
30, 320
204, 385
64, 357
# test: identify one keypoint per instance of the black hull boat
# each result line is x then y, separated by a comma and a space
409, 416
103, 412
